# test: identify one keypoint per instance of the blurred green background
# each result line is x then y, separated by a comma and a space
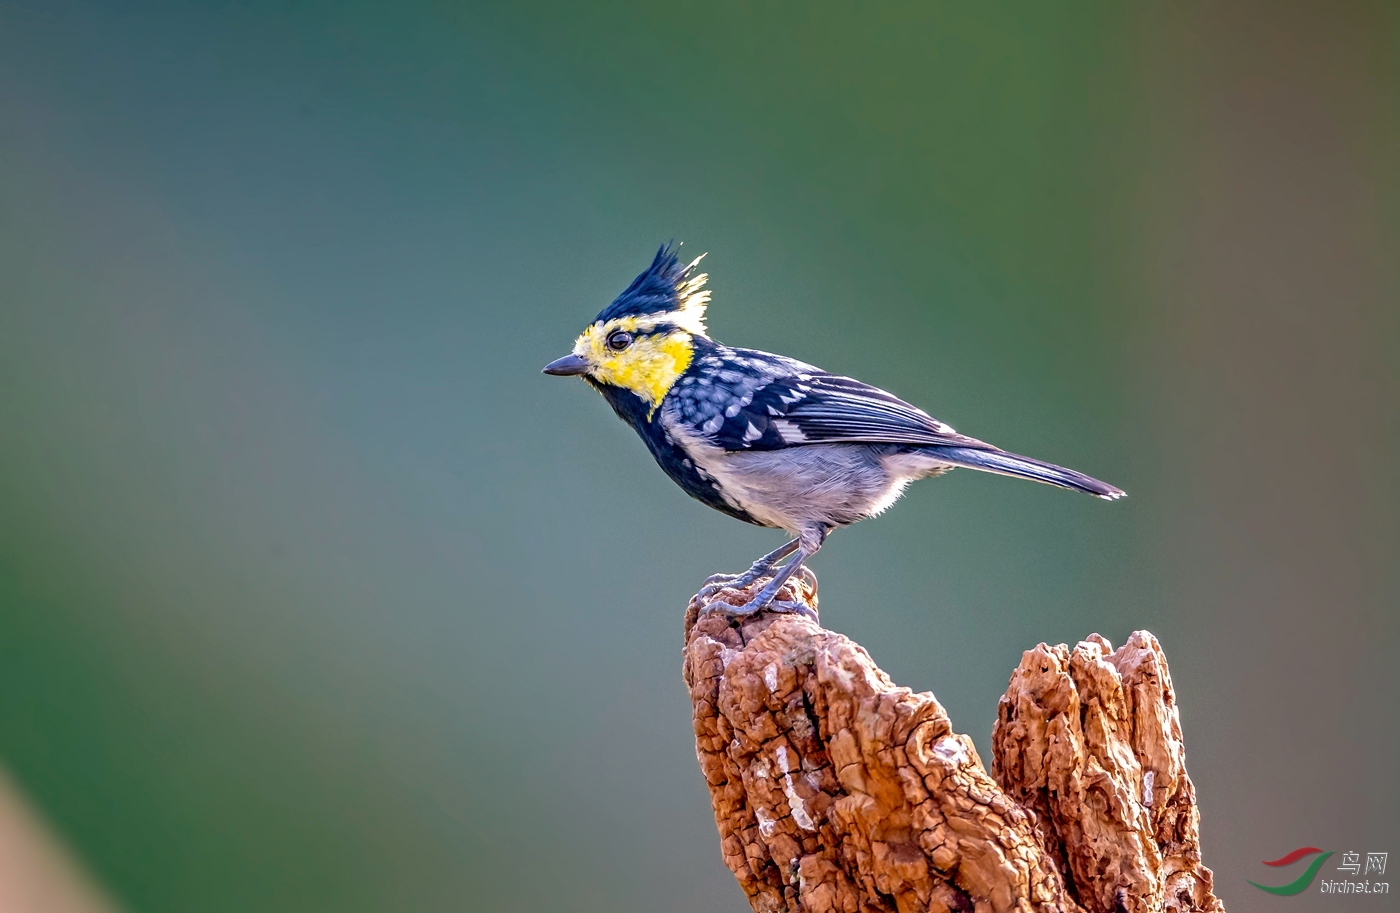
315, 594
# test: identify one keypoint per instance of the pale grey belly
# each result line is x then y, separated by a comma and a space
834, 484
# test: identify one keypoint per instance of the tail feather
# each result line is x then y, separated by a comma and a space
1011, 464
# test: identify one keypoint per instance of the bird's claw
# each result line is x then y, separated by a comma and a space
754, 606
716, 582
809, 577
785, 607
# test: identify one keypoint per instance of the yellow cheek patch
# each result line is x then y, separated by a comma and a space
648, 367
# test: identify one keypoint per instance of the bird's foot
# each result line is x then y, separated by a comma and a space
793, 607
809, 577
717, 582
766, 599
754, 606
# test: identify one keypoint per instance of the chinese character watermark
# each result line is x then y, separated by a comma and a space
1351, 864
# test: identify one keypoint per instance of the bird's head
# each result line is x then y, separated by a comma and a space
645, 339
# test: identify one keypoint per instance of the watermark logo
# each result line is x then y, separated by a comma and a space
1351, 865
1303, 881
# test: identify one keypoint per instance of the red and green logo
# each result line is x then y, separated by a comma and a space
1301, 884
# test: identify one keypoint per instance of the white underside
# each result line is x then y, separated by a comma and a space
799, 488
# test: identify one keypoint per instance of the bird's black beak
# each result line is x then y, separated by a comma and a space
569, 364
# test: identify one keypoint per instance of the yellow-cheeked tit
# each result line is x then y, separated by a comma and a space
765, 438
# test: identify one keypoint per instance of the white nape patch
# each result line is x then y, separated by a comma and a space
694, 299
770, 676
795, 806
1147, 780
790, 433
751, 433
951, 750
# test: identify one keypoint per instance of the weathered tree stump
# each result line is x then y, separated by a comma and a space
836, 790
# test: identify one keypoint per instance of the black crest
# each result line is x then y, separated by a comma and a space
668, 286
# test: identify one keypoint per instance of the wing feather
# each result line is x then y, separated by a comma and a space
808, 406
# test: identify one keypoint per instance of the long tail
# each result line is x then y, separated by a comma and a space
1010, 464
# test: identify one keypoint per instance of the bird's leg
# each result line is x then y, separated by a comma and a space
765, 597
808, 544
761, 568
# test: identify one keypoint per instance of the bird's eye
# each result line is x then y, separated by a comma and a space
619, 340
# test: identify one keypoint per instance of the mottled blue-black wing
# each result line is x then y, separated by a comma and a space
810, 407
715, 397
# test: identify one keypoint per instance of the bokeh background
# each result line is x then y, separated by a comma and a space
315, 594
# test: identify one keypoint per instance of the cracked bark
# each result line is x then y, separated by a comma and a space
836, 790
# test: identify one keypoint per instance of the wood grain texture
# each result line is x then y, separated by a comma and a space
834, 789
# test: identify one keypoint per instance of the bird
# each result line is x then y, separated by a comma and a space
764, 438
